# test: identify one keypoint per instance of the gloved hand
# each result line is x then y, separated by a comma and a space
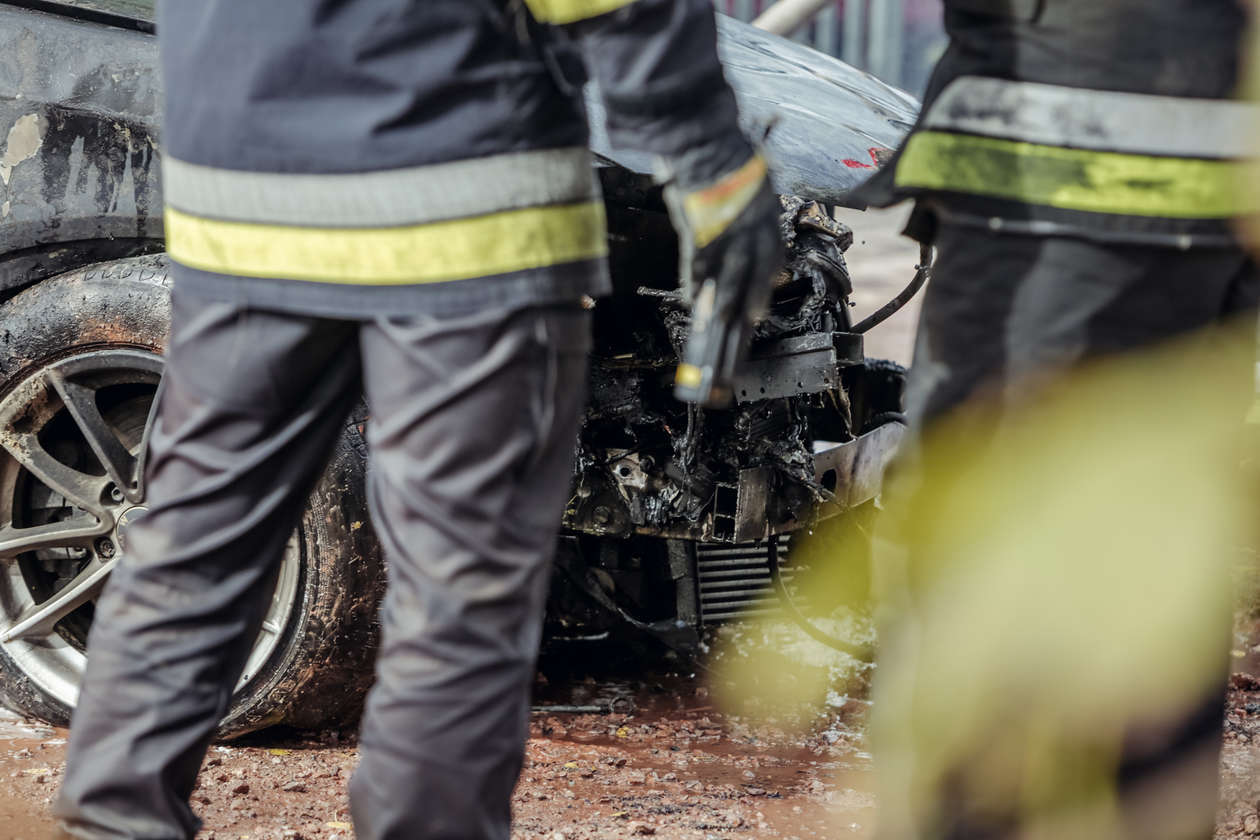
730, 250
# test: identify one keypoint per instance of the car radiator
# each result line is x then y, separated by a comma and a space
735, 579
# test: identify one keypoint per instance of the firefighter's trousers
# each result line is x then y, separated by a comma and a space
1003, 311
472, 431
1005, 314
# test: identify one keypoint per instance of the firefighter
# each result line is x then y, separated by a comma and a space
1074, 167
393, 198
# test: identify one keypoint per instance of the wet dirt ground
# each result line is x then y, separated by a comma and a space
1240, 763
656, 759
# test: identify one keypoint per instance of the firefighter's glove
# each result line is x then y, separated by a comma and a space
730, 250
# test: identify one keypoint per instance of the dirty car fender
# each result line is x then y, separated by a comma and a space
78, 115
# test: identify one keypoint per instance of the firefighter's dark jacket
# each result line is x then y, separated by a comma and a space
1109, 120
364, 157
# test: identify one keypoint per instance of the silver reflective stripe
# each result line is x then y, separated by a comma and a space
1051, 115
387, 198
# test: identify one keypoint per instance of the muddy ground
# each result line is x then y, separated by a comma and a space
1240, 764
655, 760
658, 761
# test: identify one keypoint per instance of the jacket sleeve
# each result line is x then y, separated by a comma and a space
656, 65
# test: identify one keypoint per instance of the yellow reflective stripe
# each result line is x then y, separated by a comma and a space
571, 11
711, 211
459, 249
1074, 179
688, 376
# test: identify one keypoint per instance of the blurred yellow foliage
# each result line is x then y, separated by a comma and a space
1060, 585
1068, 571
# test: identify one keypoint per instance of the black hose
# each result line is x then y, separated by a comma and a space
922, 271
859, 652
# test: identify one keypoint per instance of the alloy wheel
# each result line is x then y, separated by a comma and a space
74, 433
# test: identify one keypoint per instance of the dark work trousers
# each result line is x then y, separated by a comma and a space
1003, 313
472, 436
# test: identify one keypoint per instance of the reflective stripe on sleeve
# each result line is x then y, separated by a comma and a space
388, 198
456, 249
711, 210
561, 12
1074, 179
1081, 118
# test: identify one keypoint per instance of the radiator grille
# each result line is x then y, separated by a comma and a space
735, 580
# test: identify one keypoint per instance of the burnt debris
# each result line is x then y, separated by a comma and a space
650, 465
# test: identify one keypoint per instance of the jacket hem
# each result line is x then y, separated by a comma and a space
554, 284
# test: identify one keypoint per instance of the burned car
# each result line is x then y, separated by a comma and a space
674, 513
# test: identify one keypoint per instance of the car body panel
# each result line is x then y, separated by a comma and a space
78, 115
831, 123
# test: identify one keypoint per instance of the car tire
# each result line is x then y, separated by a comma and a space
104, 328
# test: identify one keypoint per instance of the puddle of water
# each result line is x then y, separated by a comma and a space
13, 727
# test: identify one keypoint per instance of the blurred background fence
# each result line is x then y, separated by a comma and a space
896, 40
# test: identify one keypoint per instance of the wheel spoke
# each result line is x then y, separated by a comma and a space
38, 620
76, 532
142, 458
119, 464
78, 487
